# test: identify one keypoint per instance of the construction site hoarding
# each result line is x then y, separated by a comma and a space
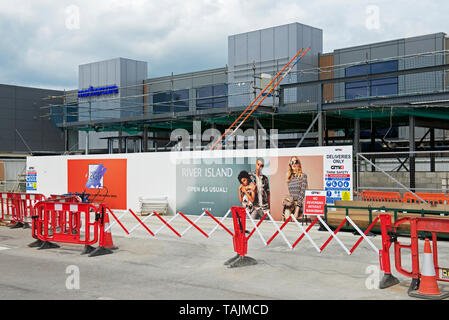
193, 181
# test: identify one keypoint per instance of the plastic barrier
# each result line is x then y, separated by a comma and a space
389, 236
7, 205
18, 207
24, 208
368, 195
240, 237
61, 222
65, 198
177, 233
433, 198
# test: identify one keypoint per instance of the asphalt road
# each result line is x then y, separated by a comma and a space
192, 268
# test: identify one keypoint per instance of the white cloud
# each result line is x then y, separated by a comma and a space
180, 36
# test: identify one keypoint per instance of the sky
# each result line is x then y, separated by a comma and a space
43, 42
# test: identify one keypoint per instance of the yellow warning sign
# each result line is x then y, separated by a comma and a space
346, 195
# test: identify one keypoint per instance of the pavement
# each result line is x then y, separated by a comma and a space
191, 268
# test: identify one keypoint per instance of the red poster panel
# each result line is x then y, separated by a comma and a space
314, 202
103, 179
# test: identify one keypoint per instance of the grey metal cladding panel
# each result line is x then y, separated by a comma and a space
30, 124
281, 42
84, 77
103, 73
128, 78
180, 84
80, 77
26, 103
7, 91
33, 93
7, 124
52, 145
220, 78
387, 51
142, 70
231, 51
159, 87
7, 101
6, 115
123, 79
95, 74
305, 43
354, 55
131, 72
317, 40
254, 46
50, 130
112, 72
23, 114
241, 49
7, 142
267, 43
425, 45
435, 36
293, 40
32, 140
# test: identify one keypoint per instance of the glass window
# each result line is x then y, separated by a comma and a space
357, 84
355, 93
376, 87
181, 100
357, 71
161, 102
384, 90
379, 82
380, 67
204, 97
212, 96
220, 93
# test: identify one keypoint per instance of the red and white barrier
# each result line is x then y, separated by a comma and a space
256, 228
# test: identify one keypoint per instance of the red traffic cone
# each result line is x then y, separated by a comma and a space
107, 239
106, 245
428, 286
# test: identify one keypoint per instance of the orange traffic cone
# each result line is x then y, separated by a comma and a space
428, 286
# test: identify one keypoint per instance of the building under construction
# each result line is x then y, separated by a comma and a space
387, 99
